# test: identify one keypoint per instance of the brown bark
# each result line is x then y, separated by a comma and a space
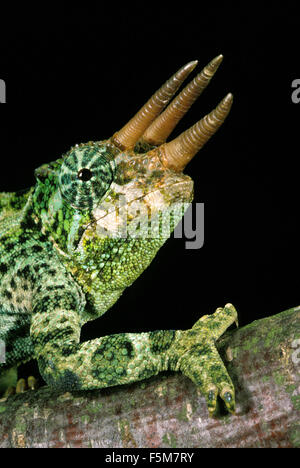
263, 360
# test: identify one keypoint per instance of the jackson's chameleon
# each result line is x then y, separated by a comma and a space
96, 217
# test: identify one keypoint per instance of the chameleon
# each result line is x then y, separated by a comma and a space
92, 223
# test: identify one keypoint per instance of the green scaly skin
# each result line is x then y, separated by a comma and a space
63, 262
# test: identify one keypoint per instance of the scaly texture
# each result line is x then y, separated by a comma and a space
70, 246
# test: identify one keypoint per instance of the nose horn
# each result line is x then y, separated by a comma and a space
158, 132
177, 153
127, 137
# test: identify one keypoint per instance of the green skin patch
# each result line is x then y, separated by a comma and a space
64, 260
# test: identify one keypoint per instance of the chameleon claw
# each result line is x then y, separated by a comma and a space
211, 400
32, 383
228, 398
230, 309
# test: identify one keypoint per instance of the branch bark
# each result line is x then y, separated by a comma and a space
263, 360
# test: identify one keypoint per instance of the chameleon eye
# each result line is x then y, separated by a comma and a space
84, 174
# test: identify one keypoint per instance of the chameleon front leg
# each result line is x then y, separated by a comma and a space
67, 364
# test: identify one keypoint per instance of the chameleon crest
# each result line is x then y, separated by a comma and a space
93, 222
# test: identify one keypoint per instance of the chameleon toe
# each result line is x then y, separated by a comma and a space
231, 311
211, 400
229, 399
32, 383
21, 386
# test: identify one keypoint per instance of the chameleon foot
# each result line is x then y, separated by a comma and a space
200, 361
21, 386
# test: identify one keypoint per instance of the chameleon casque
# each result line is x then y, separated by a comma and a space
65, 260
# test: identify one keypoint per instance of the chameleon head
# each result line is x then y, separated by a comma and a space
133, 183
114, 202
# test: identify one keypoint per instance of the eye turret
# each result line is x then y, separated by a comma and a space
86, 175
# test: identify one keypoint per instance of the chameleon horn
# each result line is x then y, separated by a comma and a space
163, 125
132, 131
177, 153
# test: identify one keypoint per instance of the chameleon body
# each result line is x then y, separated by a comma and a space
70, 246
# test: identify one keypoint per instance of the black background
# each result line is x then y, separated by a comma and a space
79, 74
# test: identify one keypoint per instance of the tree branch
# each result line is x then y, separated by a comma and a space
263, 360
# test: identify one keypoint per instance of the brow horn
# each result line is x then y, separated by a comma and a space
133, 130
177, 153
163, 125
